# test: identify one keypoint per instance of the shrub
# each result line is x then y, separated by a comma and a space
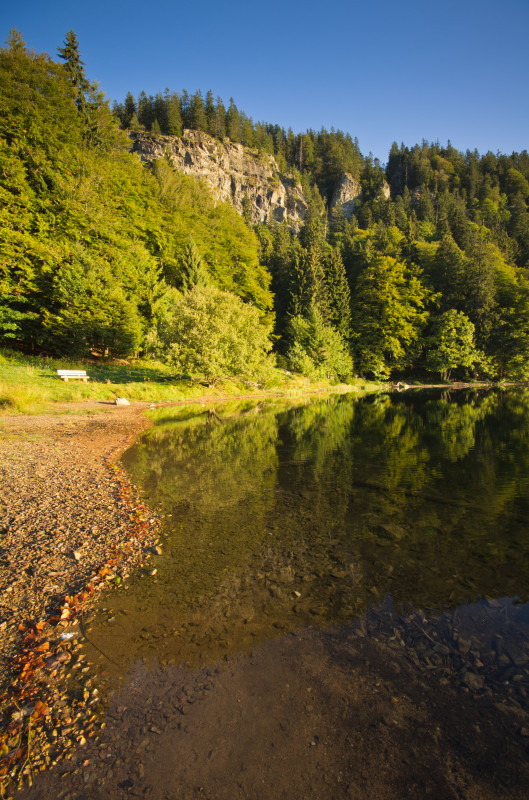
212, 335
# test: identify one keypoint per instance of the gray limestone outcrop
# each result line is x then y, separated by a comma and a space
242, 175
347, 193
232, 171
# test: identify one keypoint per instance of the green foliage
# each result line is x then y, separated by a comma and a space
338, 293
94, 315
228, 248
194, 272
95, 249
74, 68
389, 314
213, 334
509, 339
317, 349
93, 245
451, 343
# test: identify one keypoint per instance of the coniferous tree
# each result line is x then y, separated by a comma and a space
518, 228
145, 111
197, 113
129, 110
316, 348
117, 112
338, 293
337, 226
193, 269
311, 263
448, 274
174, 116
401, 219
247, 210
74, 68
278, 253
233, 122
247, 130
160, 113
425, 209
211, 126
185, 109
220, 119
290, 147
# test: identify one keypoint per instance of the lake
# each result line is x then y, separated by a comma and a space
382, 540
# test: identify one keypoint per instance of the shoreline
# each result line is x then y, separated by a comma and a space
62, 466
71, 522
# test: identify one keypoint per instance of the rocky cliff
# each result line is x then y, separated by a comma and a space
347, 193
232, 171
240, 174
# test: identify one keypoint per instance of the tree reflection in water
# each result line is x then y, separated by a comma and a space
284, 515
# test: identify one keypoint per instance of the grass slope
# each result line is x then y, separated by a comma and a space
30, 385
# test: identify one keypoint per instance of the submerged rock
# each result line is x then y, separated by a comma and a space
472, 680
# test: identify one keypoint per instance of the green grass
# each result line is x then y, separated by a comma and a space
30, 385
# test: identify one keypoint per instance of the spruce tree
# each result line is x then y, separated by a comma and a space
338, 293
448, 274
174, 116
233, 122
247, 130
129, 110
194, 272
220, 119
197, 113
312, 240
145, 111
160, 113
211, 121
74, 68
185, 109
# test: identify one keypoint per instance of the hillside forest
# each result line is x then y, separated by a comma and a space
103, 257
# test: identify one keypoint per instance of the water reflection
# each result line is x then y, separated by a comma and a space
279, 517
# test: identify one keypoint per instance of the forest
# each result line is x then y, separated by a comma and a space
104, 258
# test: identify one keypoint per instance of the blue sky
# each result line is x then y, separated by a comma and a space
404, 70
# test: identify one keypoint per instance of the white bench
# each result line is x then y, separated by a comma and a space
72, 374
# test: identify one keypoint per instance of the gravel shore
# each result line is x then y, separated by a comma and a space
65, 513
61, 509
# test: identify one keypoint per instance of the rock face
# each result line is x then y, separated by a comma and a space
349, 191
346, 194
236, 173
232, 171
385, 191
